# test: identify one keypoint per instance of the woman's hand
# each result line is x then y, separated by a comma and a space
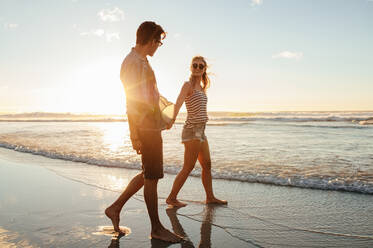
169, 125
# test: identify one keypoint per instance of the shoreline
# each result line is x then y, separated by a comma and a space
55, 203
313, 184
58, 211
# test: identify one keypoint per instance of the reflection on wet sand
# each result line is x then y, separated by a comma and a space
10, 239
115, 236
205, 242
115, 241
206, 226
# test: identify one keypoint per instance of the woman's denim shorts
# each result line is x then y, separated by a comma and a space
196, 132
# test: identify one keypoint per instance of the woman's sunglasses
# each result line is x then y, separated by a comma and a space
200, 66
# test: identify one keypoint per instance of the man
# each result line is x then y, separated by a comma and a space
144, 119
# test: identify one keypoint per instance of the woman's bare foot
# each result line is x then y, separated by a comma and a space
113, 214
165, 235
215, 201
175, 203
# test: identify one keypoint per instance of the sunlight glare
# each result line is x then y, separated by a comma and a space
97, 89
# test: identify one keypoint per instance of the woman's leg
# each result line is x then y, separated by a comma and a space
205, 161
190, 157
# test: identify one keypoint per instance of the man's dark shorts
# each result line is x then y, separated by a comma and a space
151, 148
151, 153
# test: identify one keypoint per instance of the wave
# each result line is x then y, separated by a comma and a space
366, 122
65, 120
60, 117
322, 183
357, 122
314, 125
294, 119
216, 118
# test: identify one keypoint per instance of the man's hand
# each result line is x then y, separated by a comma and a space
136, 145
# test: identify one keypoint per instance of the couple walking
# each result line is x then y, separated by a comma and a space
145, 125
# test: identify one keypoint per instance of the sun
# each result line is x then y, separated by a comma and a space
97, 89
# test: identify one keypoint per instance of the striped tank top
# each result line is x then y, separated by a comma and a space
196, 105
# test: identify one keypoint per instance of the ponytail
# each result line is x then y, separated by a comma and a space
205, 81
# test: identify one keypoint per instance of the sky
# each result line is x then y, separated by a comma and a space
263, 55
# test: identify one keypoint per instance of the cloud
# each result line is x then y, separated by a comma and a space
112, 36
111, 15
256, 2
101, 33
96, 32
11, 25
288, 55
106, 15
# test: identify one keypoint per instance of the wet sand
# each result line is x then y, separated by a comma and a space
55, 203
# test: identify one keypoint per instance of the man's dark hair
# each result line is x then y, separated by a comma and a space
149, 31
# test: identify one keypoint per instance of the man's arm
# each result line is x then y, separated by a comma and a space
131, 77
134, 133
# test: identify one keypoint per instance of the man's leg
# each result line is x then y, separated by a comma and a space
113, 211
151, 200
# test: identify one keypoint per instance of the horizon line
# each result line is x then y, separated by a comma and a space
184, 112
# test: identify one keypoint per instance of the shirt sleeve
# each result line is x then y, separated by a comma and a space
130, 75
133, 77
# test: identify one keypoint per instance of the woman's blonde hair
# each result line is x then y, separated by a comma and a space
205, 77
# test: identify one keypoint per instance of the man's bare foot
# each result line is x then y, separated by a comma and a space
175, 203
215, 201
113, 215
165, 235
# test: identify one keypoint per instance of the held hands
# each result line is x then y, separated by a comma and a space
169, 125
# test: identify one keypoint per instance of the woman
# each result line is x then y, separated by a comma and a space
193, 135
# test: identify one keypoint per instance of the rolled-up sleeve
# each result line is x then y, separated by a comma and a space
132, 75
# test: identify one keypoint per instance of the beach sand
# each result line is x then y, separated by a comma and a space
54, 203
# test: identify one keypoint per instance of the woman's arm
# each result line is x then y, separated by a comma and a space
184, 92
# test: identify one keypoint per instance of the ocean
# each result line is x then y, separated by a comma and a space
319, 150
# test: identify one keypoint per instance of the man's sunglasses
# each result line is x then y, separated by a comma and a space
200, 66
159, 42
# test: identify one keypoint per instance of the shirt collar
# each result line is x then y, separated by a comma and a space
137, 55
